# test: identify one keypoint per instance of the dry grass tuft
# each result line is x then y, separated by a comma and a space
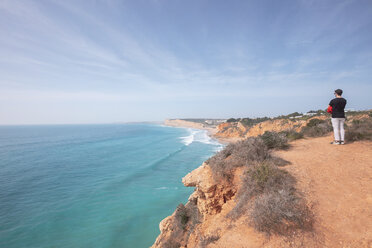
359, 130
317, 128
257, 180
242, 153
274, 140
292, 135
267, 194
280, 212
270, 199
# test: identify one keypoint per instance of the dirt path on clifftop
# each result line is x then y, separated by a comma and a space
338, 181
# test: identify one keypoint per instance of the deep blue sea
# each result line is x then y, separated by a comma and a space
93, 185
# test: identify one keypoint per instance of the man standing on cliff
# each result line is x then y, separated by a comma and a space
338, 117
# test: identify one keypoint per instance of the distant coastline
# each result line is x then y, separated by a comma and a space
210, 128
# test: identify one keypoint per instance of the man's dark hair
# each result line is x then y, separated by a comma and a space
338, 92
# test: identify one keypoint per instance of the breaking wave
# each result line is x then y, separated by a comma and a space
196, 135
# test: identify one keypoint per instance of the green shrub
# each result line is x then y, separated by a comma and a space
259, 179
293, 114
242, 153
274, 140
267, 193
359, 130
314, 122
181, 215
280, 212
276, 207
232, 120
317, 128
356, 122
370, 114
353, 135
292, 135
248, 152
250, 122
358, 112
260, 175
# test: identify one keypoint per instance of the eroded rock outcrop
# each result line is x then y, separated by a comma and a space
203, 221
238, 130
205, 202
209, 194
231, 130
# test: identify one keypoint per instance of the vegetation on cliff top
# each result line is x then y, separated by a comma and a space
249, 122
267, 195
275, 140
317, 128
359, 130
292, 135
242, 153
253, 121
248, 152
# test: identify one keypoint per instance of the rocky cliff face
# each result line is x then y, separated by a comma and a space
203, 222
190, 225
275, 126
238, 130
231, 130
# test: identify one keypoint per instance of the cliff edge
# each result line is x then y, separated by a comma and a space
335, 180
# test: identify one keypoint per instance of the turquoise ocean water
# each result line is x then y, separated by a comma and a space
93, 185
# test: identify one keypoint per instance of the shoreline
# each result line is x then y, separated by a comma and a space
210, 130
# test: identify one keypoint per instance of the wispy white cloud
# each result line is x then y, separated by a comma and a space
55, 50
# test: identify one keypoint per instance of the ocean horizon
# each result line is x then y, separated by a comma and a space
94, 185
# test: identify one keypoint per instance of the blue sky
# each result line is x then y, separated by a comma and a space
117, 61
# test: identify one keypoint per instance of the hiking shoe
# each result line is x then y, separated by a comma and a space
342, 142
335, 142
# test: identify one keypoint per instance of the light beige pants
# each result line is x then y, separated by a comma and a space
338, 128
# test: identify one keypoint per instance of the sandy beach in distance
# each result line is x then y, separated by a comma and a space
211, 131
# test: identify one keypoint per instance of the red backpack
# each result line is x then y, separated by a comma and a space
329, 109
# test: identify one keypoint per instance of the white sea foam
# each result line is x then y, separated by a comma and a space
161, 188
187, 140
196, 135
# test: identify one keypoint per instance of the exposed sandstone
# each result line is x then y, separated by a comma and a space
275, 126
238, 130
321, 182
312, 161
209, 194
231, 130
207, 201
